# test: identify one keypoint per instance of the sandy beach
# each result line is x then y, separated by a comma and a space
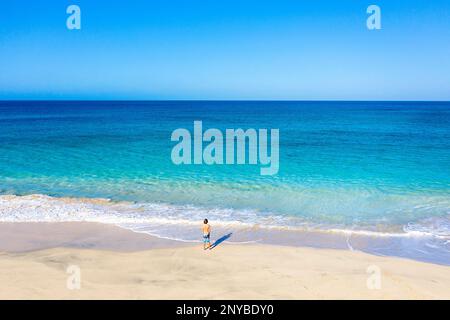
118, 264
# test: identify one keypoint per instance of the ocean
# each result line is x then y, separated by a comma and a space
374, 175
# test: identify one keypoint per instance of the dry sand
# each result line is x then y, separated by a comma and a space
170, 271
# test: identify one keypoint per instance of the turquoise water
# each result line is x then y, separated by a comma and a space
377, 167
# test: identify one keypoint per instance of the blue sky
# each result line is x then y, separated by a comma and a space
217, 49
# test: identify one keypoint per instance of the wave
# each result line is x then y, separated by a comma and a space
168, 221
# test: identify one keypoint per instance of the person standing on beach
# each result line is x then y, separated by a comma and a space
206, 235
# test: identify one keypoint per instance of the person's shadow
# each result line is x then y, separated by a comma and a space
220, 240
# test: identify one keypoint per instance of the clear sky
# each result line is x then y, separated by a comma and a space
225, 49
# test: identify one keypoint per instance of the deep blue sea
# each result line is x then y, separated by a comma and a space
379, 169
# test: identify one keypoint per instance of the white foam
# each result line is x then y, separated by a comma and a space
158, 216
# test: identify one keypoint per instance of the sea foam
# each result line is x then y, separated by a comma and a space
142, 216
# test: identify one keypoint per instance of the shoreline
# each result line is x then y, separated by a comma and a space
152, 220
18, 237
119, 264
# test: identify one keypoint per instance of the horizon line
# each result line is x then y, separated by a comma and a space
212, 100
